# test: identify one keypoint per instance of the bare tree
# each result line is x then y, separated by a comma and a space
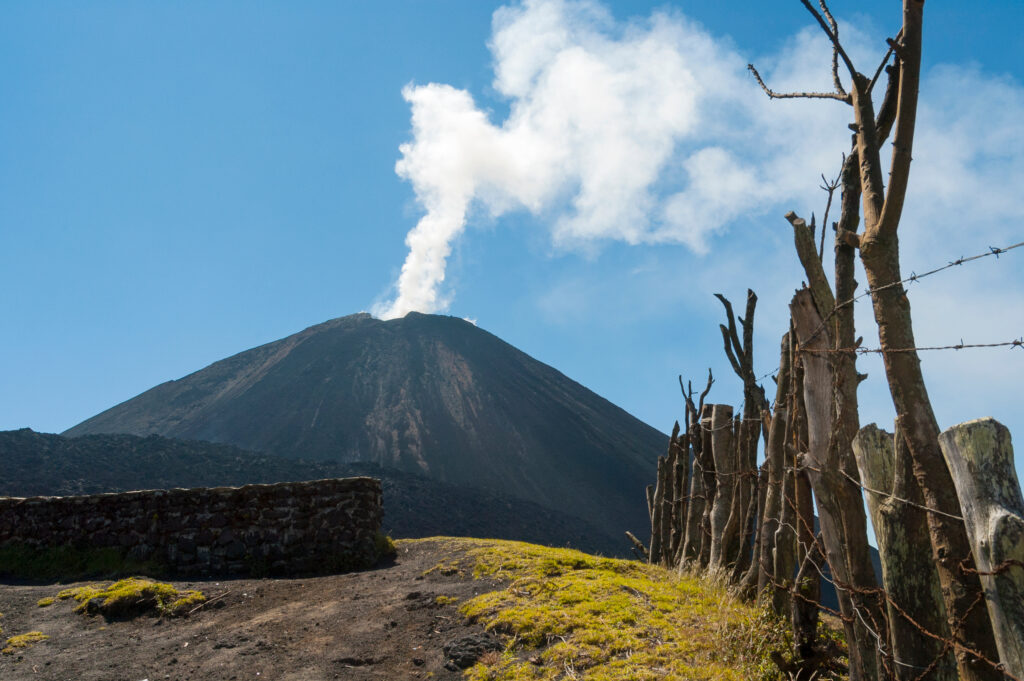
745, 501
878, 248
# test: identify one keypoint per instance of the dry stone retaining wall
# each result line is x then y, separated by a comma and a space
284, 528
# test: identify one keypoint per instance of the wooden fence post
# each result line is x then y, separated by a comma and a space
980, 457
724, 452
908, 571
710, 487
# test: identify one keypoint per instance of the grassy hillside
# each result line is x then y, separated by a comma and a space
445, 610
569, 615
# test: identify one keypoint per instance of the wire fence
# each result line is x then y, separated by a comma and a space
992, 251
871, 608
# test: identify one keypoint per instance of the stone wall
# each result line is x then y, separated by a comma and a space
284, 528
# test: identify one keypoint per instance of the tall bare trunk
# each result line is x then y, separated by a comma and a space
879, 253
681, 494
840, 508
748, 581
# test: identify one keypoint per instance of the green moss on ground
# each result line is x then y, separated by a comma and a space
384, 546
23, 641
132, 596
566, 614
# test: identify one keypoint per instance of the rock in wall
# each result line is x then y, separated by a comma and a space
284, 528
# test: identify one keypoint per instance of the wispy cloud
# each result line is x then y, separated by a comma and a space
601, 114
652, 132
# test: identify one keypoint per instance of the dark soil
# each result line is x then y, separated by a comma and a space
384, 623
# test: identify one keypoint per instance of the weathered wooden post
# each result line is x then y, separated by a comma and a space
695, 512
980, 457
668, 502
833, 474
732, 532
702, 478
656, 506
775, 457
755, 514
739, 348
681, 477
710, 487
723, 451
908, 571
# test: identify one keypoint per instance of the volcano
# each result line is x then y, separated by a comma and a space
427, 394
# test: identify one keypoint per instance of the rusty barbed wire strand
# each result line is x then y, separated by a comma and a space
872, 628
839, 585
1015, 343
914, 277
880, 493
888, 655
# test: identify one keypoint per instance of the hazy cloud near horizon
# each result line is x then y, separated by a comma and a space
651, 131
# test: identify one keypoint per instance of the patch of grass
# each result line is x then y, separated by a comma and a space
445, 600
132, 596
80, 593
449, 568
68, 563
384, 546
43, 602
23, 641
567, 614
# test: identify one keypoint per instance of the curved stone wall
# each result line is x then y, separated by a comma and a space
284, 528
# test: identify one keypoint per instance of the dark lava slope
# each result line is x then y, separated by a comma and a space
41, 464
426, 394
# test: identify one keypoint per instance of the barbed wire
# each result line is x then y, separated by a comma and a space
860, 613
914, 277
864, 599
1015, 343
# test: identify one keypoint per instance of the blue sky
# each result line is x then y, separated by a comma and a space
180, 182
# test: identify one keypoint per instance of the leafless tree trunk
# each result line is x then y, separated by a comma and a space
656, 507
681, 490
879, 253
840, 509
806, 594
806, 590
755, 515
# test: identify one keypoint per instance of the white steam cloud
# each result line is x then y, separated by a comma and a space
641, 132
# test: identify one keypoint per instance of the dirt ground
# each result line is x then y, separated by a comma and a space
385, 623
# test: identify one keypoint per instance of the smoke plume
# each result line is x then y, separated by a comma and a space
639, 132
